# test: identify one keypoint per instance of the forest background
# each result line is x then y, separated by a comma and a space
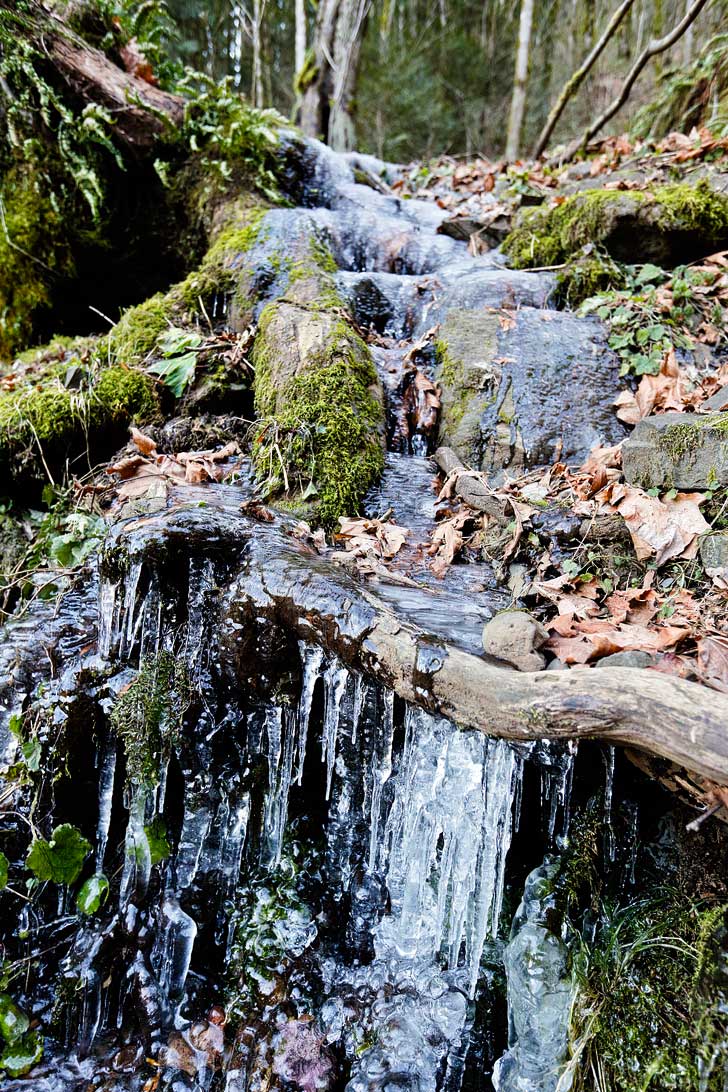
427, 77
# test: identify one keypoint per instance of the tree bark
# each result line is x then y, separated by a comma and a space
328, 107
520, 83
576, 80
300, 36
653, 49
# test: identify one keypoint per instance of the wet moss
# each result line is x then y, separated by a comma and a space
148, 716
135, 335
222, 270
42, 421
320, 434
33, 251
586, 277
550, 236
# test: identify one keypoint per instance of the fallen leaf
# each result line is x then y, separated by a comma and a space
667, 528
145, 444
712, 662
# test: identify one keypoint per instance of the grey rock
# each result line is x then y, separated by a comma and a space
713, 551
515, 636
628, 659
717, 401
678, 451
518, 386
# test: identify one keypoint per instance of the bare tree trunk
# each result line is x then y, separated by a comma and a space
653, 49
300, 42
327, 108
573, 84
520, 83
256, 91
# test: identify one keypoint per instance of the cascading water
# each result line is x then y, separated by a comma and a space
308, 874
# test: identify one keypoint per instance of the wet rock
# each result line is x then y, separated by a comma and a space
713, 551
717, 401
515, 636
628, 659
678, 451
518, 387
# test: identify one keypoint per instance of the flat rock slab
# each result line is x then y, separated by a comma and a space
518, 385
678, 451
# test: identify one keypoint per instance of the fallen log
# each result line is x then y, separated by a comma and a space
284, 585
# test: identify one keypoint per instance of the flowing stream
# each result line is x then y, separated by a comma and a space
308, 891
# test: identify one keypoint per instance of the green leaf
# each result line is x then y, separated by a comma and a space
61, 859
18, 1058
309, 491
649, 273
4, 866
156, 833
176, 341
176, 373
93, 893
13, 1021
31, 750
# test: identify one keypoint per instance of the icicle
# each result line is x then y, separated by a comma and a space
107, 617
358, 705
559, 779
281, 738
335, 679
610, 841
107, 771
195, 828
312, 657
173, 950
137, 856
381, 771
232, 850
128, 628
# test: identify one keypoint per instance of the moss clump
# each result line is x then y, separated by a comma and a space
320, 435
586, 277
222, 270
135, 335
677, 218
32, 251
42, 421
651, 1008
148, 716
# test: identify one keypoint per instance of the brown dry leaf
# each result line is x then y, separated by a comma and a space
712, 662
655, 392
144, 443
149, 481
667, 528
447, 541
372, 536
592, 638
506, 319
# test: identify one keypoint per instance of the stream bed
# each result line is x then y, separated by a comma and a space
311, 881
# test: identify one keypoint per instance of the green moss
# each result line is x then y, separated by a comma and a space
452, 372
651, 1008
586, 277
319, 435
221, 270
550, 236
148, 716
677, 441
41, 414
307, 73
33, 252
135, 335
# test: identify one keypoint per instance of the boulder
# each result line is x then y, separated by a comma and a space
518, 386
678, 451
515, 636
713, 551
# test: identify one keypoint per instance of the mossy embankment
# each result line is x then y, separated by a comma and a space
667, 225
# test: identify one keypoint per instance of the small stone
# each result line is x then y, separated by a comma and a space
515, 636
716, 402
678, 451
713, 551
628, 659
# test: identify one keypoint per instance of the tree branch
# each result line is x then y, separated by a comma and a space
574, 83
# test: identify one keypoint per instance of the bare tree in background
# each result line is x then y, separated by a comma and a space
300, 32
257, 41
327, 108
520, 82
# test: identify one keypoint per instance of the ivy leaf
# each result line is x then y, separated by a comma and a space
177, 373
94, 892
156, 833
61, 859
4, 865
32, 751
649, 273
18, 1058
13, 1021
176, 341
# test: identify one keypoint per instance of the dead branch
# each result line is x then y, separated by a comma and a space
574, 83
655, 47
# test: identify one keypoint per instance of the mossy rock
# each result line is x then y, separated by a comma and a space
668, 225
59, 410
678, 450
321, 436
587, 276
